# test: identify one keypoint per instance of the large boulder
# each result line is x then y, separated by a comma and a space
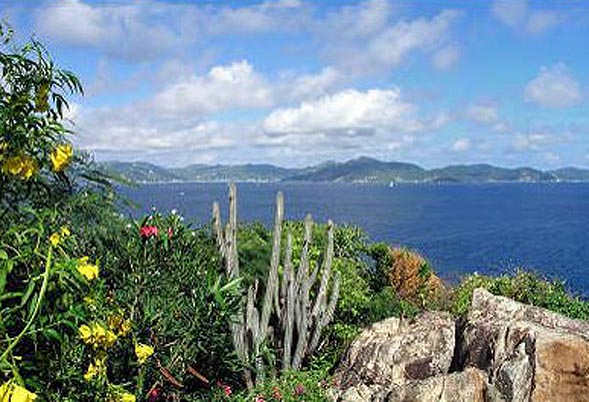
529, 353
393, 352
501, 350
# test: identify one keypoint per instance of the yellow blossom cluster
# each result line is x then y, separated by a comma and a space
61, 157
87, 269
22, 166
97, 335
143, 352
96, 368
56, 238
117, 323
12, 392
123, 397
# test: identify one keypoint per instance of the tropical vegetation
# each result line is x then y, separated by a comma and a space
97, 306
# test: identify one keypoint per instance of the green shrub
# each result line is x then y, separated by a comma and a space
525, 287
169, 278
308, 385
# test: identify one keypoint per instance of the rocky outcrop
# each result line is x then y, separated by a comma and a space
392, 353
500, 351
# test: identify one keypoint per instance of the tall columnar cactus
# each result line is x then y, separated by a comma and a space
294, 309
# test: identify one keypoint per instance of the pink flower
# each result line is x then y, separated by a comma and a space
148, 231
154, 394
226, 388
299, 390
170, 232
260, 398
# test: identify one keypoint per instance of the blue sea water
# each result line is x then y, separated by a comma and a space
488, 228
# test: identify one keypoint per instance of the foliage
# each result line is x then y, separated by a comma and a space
525, 287
169, 277
34, 149
292, 386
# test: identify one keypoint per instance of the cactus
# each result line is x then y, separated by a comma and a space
287, 302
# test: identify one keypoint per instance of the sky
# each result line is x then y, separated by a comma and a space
297, 83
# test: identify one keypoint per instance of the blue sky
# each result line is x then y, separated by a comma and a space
295, 82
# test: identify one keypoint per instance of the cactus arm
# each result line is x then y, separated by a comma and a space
290, 304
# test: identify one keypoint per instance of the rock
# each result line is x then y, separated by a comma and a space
529, 353
392, 352
466, 386
501, 351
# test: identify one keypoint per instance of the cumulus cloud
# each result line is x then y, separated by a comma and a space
368, 36
349, 113
554, 87
230, 87
314, 85
446, 57
135, 31
483, 114
517, 14
385, 48
461, 145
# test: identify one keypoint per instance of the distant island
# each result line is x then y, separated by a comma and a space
360, 170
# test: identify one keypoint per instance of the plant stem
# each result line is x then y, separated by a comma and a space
35, 310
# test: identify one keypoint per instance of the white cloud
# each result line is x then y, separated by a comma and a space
446, 57
517, 14
367, 36
554, 87
231, 87
483, 114
461, 145
539, 138
134, 31
510, 12
349, 113
385, 45
281, 15
542, 20
314, 85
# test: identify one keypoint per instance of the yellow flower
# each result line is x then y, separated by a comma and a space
125, 327
20, 165
11, 392
12, 165
89, 271
88, 300
95, 368
97, 335
143, 352
61, 157
55, 239
64, 231
126, 397
85, 333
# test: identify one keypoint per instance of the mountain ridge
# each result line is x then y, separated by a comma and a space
360, 170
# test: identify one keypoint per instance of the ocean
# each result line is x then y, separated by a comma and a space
460, 228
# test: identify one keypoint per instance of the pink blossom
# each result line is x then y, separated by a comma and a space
148, 231
299, 389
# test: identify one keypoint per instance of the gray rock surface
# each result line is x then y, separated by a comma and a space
392, 352
501, 350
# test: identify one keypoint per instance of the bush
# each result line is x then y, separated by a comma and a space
292, 386
168, 277
525, 287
